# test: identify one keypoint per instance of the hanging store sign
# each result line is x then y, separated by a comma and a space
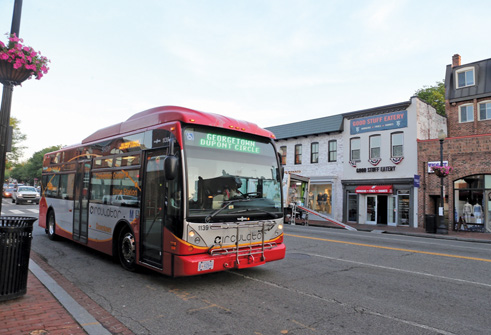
432, 164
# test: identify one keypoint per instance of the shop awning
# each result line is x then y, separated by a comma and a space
374, 189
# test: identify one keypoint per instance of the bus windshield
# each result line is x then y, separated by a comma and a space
230, 175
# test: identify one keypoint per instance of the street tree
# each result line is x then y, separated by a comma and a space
18, 137
434, 96
32, 169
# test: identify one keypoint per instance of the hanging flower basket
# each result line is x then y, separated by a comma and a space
9, 75
442, 171
19, 62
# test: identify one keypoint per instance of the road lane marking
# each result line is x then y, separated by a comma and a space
394, 249
400, 270
357, 309
35, 211
16, 211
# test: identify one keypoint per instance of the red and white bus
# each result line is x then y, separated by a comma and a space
173, 189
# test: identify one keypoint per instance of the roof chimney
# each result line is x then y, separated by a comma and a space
455, 60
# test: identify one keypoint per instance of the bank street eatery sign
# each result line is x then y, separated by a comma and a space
379, 122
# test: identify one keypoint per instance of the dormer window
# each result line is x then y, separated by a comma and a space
465, 77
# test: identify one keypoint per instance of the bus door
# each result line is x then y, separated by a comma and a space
81, 201
152, 223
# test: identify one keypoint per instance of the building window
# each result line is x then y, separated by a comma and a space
298, 154
283, 155
355, 149
485, 110
465, 77
314, 152
466, 113
375, 146
397, 144
333, 151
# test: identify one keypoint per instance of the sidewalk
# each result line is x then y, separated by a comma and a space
420, 232
53, 305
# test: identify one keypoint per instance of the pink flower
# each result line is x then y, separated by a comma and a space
14, 38
21, 56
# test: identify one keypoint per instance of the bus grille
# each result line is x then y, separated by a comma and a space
244, 251
245, 254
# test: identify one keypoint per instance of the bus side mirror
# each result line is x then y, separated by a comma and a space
170, 167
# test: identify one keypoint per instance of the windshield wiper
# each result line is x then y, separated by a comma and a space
225, 205
248, 195
274, 216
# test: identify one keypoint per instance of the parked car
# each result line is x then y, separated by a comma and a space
7, 192
26, 194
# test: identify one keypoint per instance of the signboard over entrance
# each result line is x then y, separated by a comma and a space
374, 189
379, 122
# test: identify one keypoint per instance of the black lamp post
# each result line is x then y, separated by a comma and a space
442, 227
7, 98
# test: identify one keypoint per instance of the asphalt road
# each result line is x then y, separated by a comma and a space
331, 282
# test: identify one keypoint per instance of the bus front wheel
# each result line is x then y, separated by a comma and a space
51, 229
127, 250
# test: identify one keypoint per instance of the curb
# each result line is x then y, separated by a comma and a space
86, 312
80, 314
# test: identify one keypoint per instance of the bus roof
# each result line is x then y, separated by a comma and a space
163, 114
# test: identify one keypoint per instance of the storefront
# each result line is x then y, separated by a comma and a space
472, 202
389, 204
295, 190
321, 196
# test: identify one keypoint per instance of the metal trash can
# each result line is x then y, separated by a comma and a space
15, 247
430, 223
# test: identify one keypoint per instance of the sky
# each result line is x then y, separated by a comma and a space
265, 61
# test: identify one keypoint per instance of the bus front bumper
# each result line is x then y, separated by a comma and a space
219, 261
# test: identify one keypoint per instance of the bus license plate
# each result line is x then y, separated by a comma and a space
205, 265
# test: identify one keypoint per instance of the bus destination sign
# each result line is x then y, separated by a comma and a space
215, 141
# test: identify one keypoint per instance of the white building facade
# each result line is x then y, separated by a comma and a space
380, 181
361, 165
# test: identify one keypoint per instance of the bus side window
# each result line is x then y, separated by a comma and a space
52, 186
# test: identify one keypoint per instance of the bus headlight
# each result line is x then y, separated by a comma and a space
192, 233
280, 226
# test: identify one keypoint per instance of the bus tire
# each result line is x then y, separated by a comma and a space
127, 249
51, 226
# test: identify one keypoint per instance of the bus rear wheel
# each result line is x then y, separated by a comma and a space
51, 228
127, 250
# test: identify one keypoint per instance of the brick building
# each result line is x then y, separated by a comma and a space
467, 149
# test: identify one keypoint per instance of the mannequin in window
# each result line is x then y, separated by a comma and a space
467, 211
311, 199
477, 212
324, 201
319, 202
328, 202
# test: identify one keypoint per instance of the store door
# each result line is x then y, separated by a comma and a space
382, 209
371, 209
392, 210
487, 210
